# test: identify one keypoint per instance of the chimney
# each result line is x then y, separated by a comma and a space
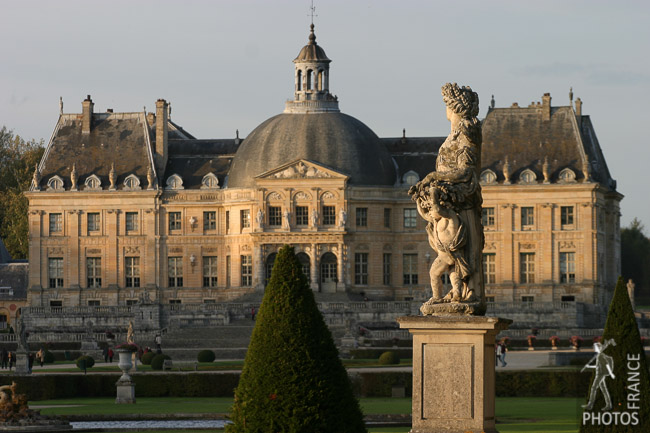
87, 115
579, 111
161, 136
546, 106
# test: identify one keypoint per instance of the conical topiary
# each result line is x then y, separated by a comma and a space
630, 388
293, 379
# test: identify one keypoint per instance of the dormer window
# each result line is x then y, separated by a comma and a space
210, 181
410, 178
174, 182
488, 176
132, 182
567, 176
528, 176
93, 182
55, 184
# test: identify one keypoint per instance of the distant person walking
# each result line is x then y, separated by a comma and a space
502, 345
253, 313
40, 357
110, 355
12, 359
105, 354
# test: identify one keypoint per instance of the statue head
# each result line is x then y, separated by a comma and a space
461, 100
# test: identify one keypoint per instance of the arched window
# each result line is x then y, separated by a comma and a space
528, 176
304, 262
328, 268
410, 177
310, 80
93, 182
174, 182
567, 175
270, 261
488, 176
209, 181
320, 79
132, 182
55, 183
299, 84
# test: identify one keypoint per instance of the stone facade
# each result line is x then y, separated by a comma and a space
129, 207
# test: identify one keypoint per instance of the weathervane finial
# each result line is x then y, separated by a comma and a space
312, 10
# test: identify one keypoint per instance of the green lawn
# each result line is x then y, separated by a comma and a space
514, 415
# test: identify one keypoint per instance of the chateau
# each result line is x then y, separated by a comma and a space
129, 209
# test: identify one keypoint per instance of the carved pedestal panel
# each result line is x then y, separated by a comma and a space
453, 372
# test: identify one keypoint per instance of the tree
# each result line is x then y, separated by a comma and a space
293, 379
17, 160
635, 255
627, 387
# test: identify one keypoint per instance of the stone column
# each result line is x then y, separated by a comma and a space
340, 272
313, 264
453, 372
259, 266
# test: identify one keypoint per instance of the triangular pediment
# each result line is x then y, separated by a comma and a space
302, 169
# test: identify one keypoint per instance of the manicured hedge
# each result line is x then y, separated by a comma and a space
535, 383
389, 358
206, 356
147, 358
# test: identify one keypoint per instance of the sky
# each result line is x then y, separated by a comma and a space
227, 65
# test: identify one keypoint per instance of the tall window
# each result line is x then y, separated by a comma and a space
209, 271
275, 216
175, 271
93, 222
302, 215
567, 267
527, 217
56, 223
228, 271
94, 271
387, 268
227, 221
55, 272
527, 267
410, 269
387, 217
131, 221
488, 217
246, 271
362, 217
209, 220
329, 215
174, 221
566, 215
245, 218
490, 268
132, 271
361, 268
410, 218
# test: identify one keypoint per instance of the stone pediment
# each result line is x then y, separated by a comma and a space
302, 169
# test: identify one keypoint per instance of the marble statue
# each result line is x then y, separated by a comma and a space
60, 104
285, 220
449, 199
111, 176
73, 177
130, 335
630, 291
149, 177
260, 219
21, 335
36, 178
314, 217
343, 218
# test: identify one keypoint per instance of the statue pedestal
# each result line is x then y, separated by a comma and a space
453, 372
22, 363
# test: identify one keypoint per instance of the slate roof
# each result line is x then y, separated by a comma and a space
312, 52
414, 153
4, 254
193, 159
120, 138
523, 135
15, 276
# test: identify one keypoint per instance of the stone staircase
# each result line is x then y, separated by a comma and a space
227, 341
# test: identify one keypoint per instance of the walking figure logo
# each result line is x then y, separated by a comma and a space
604, 367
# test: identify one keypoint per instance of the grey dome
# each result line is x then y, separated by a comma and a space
335, 140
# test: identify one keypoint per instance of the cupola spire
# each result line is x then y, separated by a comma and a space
312, 69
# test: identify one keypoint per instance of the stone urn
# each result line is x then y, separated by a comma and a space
554, 340
531, 341
125, 363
